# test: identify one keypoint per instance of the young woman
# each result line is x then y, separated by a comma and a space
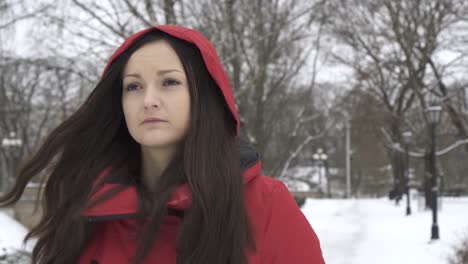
151, 169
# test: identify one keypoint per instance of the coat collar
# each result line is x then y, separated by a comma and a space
124, 204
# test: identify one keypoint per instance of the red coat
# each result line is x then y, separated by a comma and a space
282, 233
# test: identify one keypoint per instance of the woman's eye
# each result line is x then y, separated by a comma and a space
132, 87
170, 82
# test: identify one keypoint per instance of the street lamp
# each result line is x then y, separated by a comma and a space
407, 141
465, 94
433, 115
13, 144
322, 157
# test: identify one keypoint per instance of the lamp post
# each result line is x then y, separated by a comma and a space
322, 157
348, 158
465, 94
407, 140
12, 144
433, 114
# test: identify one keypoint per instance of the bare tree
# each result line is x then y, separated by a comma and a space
394, 45
18, 85
35, 96
12, 12
263, 46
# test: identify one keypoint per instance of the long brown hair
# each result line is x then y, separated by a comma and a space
215, 229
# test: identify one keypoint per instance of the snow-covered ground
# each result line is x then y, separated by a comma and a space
369, 231
11, 233
356, 231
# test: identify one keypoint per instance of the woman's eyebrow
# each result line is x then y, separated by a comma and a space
161, 72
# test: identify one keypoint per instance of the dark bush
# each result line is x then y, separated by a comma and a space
17, 257
300, 201
460, 252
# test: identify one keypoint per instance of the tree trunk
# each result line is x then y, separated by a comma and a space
169, 12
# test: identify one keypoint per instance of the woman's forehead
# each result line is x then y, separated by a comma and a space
158, 55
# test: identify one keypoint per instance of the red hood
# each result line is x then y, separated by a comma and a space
210, 57
125, 202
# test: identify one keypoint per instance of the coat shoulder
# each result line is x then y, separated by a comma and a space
285, 235
261, 194
262, 188
267, 183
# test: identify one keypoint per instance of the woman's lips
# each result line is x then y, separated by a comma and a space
153, 121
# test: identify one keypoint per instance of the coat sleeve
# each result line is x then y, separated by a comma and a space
289, 237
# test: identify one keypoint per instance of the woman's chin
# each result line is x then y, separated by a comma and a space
158, 143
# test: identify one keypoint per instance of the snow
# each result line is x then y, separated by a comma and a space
364, 231
368, 231
11, 234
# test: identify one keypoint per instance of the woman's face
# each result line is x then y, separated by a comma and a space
155, 87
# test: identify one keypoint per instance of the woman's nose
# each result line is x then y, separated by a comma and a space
152, 98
